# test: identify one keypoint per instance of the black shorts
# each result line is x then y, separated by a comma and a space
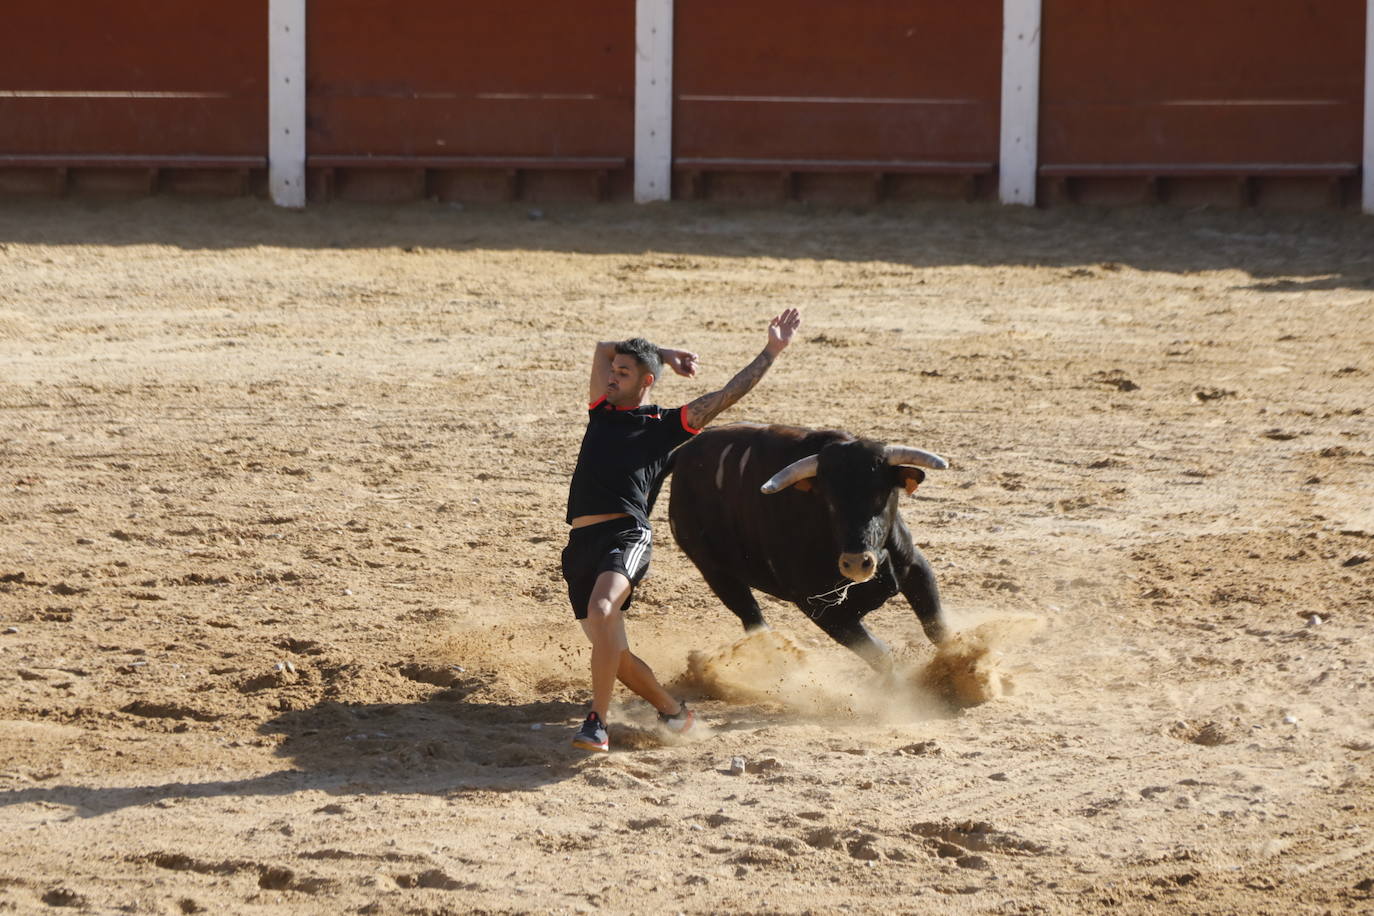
620, 545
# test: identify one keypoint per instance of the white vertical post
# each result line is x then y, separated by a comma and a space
1368, 173
653, 100
286, 101
1019, 155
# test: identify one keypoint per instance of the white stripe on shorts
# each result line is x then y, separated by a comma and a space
634, 554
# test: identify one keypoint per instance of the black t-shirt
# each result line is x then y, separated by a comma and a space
624, 459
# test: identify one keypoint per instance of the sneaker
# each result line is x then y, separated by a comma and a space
592, 735
679, 724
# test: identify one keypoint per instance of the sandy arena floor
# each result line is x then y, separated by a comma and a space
282, 629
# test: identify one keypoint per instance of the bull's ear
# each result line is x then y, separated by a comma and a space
804, 485
910, 477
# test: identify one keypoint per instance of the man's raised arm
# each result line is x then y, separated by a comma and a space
602, 357
705, 408
683, 362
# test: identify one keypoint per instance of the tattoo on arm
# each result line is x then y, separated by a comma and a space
705, 408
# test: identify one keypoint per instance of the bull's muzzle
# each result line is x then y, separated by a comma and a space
858, 567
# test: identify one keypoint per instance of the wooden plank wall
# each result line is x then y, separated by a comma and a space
109, 86
1186, 84
499, 85
908, 82
809, 99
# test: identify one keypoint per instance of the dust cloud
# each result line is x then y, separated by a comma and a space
971, 667
771, 667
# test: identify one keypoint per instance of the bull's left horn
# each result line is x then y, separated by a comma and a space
797, 470
905, 454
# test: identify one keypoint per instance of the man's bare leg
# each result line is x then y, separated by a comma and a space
611, 655
639, 677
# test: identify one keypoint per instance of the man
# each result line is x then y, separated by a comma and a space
620, 469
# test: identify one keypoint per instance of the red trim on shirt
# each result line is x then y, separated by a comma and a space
682, 415
601, 400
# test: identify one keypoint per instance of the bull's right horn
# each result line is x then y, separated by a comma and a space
905, 454
797, 470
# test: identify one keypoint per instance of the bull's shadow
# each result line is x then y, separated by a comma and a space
445, 745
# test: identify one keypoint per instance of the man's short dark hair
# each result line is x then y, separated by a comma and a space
645, 353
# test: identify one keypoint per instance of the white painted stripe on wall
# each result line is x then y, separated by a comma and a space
824, 100
485, 96
653, 100
1019, 155
518, 96
105, 94
1263, 103
1369, 107
286, 101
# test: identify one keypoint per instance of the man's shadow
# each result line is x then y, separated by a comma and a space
459, 740
445, 745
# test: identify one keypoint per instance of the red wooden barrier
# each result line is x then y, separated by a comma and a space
1198, 88
469, 97
808, 87
143, 85
803, 98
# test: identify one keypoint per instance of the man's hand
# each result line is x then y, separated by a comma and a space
682, 362
705, 408
781, 329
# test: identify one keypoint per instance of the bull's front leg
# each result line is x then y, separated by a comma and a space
916, 580
735, 594
850, 632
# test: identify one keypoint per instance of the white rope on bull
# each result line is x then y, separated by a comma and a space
833, 598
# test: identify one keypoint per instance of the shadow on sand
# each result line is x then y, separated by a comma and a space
443, 746
447, 745
1324, 249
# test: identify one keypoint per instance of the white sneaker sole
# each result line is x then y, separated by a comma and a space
686, 726
590, 746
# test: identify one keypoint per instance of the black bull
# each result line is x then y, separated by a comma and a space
829, 520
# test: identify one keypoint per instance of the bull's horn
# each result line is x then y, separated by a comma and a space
797, 470
905, 454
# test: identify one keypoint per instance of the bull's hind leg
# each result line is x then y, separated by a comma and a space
736, 595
